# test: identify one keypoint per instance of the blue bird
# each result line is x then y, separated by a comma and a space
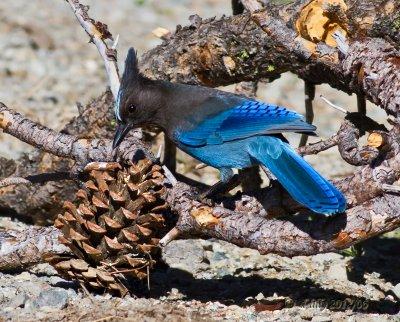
225, 131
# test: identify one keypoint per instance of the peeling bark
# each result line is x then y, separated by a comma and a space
252, 221
250, 47
247, 226
245, 47
20, 249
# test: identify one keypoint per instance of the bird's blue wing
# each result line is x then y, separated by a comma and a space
250, 118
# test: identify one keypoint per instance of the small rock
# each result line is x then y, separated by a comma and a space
24, 276
19, 300
185, 255
337, 272
327, 257
52, 297
43, 269
396, 291
321, 319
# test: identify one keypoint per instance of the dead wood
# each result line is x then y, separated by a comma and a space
245, 47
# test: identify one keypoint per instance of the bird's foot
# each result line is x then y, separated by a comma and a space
204, 198
216, 190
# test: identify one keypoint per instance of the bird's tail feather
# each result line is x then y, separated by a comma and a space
302, 182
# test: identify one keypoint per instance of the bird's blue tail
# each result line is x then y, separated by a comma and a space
303, 183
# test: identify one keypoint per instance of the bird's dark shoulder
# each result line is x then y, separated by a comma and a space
198, 102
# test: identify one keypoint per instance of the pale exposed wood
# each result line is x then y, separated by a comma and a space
98, 34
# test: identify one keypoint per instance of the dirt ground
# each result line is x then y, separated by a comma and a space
47, 65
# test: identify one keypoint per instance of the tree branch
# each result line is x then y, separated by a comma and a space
248, 47
81, 150
264, 44
246, 226
98, 33
250, 222
20, 249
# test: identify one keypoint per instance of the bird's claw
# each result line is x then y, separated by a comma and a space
205, 199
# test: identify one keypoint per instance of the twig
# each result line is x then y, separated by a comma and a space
315, 148
252, 5
81, 150
170, 177
13, 181
336, 107
37, 178
20, 249
391, 188
98, 33
169, 237
159, 152
115, 43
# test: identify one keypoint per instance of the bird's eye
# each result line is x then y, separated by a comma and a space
132, 109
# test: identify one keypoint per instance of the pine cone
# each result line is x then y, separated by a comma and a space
114, 226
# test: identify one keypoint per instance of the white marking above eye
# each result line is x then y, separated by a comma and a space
117, 107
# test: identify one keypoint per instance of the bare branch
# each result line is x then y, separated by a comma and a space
252, 5
13, 181
20, 249
249, 224
212, 51
247, 227
315, 148
98, 33
82, 151
37, 178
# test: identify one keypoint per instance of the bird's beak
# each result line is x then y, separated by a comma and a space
120, 133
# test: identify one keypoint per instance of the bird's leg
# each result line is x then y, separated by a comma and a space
228, 181
309, 91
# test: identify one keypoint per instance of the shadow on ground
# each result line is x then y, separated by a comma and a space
234, 290
380, 255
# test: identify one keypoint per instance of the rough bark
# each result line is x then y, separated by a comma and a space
231, 49
42, 202
265, 44
20, 249
249, 47
250, 221
247, 225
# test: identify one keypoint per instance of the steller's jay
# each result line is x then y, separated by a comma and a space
225, 131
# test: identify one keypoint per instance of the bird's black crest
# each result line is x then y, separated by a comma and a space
131, 71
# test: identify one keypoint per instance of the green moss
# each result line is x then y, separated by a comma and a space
353, 251
243, 55
113, 123
396, 24
270, 68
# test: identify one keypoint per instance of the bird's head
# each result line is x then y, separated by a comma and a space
129, 110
